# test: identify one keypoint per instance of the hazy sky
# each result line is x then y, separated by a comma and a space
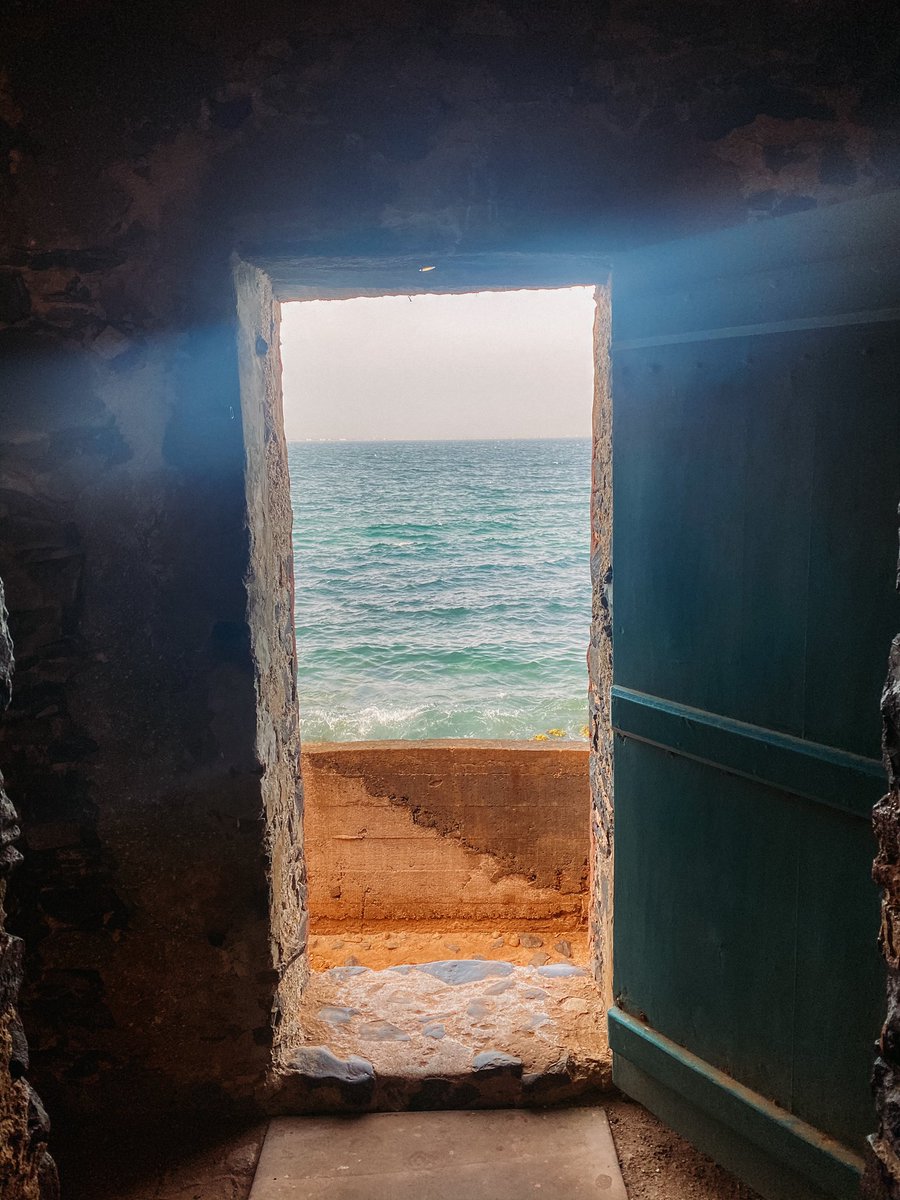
488, 365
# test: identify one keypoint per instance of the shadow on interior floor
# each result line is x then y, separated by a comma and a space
219, 1164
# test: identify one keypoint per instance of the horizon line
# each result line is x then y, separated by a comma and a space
331, 441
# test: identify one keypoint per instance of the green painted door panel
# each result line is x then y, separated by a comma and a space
743, 933
756, 475
754, 470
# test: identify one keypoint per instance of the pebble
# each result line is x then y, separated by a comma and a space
575, 1005
351, 961
536, 1022
318, 1062
534, 993
434, 1031
456, 971
495, 1060
539, 958
512, 939
563, 947
497, 943
478, 1008
560, 970
503, 986
342, 974
335, 1015
382, 1031
337, 944
531, 940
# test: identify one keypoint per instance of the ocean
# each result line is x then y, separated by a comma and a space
442, 588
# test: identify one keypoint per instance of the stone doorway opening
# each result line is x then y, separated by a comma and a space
452, 900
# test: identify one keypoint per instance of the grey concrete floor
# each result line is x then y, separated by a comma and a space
504, 1154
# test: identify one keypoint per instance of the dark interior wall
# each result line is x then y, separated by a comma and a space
139, 145
884, 1168
27, 1171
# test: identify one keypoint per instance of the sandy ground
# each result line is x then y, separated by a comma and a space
659, 1165
380, 948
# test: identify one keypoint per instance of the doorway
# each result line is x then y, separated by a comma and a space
443, 614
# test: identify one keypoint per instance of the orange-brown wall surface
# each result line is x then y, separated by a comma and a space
450, 832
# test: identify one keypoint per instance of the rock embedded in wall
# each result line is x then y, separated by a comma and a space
27, 1172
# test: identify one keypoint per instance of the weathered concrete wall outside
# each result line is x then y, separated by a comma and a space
27, 1172
449, 832
140, 145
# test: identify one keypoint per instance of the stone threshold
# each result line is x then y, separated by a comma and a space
456, 1033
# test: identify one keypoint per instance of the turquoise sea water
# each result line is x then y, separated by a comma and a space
442, 588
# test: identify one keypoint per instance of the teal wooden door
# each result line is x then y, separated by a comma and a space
756, 476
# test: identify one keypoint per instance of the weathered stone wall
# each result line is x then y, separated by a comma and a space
600, 662
883, 1178
140, 144
132, 738
453, 833
270, 616
27, 1172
